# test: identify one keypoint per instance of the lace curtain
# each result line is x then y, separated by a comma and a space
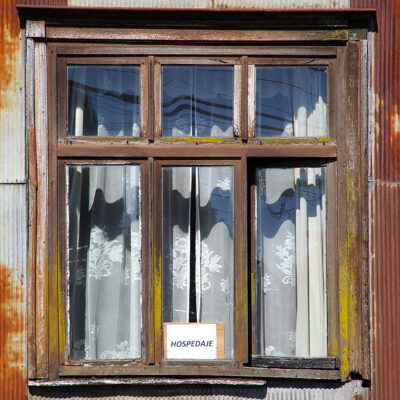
291, 218
198, 256
103, 218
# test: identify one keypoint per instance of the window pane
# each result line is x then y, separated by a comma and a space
104, 262
197, 100
291, 262
103, 100
291, 101
198, 253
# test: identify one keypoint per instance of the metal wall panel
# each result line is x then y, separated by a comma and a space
13, 229
214, 3
349, 391
384, 178
12, 145
12, 291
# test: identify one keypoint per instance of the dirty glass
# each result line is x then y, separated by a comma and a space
103, 100
197, 100
291, 101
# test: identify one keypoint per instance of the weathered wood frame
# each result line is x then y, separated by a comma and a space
346, 150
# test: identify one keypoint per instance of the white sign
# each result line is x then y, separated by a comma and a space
193, 341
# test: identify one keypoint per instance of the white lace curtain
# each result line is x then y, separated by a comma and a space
103, 214
291, 222
198, 256
104, 261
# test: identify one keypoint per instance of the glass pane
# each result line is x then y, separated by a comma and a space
198, 252
103, 100
104, 262
291, 101
291, 262
197, 100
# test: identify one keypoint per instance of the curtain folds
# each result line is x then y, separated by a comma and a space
291, 101
198, 262
104, 262
291, 262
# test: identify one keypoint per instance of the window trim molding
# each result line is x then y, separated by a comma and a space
353, 236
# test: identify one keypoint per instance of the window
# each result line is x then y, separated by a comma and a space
199, 220
197, 205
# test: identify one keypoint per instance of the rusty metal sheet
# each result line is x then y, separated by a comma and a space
12, 291
384, 194
12, 146
385, 284
277, 4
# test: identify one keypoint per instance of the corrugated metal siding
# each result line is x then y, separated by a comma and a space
12, 209
12, 291
214, 3
385, 201
12, 146
13, 229
349, 391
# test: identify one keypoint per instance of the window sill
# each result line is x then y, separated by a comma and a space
144, 381
115, 370
294, 362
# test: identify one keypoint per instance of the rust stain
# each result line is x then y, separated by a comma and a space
385, 195
9, 44
12, 337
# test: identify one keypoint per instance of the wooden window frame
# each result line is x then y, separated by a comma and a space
150, 150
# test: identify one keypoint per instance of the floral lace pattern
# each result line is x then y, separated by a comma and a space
286, 253
121, 352
181, 262
103, 253
209, 264
273, 352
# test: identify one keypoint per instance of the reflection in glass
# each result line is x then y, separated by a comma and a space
291, 101
197, 252
291, 262
104, 262
103, 100
197, 100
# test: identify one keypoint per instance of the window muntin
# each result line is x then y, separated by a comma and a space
290, 223
197, 100
291, 101
103, 100
198, 247
103, 208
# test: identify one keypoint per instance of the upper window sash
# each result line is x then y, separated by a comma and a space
306, 114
